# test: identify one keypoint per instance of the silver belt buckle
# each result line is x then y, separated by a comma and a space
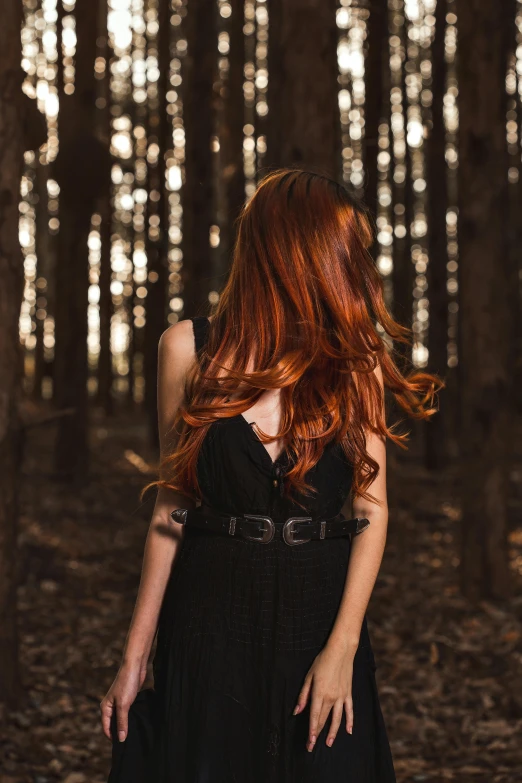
362, 524
268, 529
179, 515
289, 531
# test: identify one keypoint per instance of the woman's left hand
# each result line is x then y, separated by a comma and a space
329, 682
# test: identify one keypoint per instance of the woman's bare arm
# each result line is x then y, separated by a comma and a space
365, 557
330, 677
175, 356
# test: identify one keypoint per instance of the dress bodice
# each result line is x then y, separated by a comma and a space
237, 475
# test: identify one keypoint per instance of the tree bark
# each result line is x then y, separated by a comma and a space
485, 318
198, 190
232, 131
11, 275
105, 373
403, 270
515, 206
303, 127
35, 134
157, 250
43, 250
82, 168
377, 39
436, 429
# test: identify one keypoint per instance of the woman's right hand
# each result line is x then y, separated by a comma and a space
119, 697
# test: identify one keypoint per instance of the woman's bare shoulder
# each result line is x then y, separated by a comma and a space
177, 342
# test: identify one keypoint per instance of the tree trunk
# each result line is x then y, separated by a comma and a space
514, 104
105, 373
43, 250
157, 249
403, 270
516, 274
436, 429
303, 126
377, 39
82, 168
11, 275
231, 137
198, 191
485, 319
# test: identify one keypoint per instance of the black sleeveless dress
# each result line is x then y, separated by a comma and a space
241, 624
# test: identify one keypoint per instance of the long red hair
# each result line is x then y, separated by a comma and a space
304, 301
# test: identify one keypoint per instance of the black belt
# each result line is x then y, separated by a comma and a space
261, 528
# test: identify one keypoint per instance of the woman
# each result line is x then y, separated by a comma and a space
271, 413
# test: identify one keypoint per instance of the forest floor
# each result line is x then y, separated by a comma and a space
449, 672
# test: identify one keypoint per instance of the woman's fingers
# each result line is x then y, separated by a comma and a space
106, 708
122, 720
303, 696
348, 707
316, 709
337, 714
325, 712
319, 711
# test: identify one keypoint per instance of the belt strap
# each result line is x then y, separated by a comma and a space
262, 528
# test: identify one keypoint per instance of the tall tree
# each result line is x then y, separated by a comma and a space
374, 69
82, 168
158, 247
485, 326
403, 269
35, 134
198, 117
43, 254
514, 108
231, 137
105, 374
437, 428
11, 160
303, 127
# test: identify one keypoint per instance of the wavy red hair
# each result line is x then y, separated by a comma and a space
304, 301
